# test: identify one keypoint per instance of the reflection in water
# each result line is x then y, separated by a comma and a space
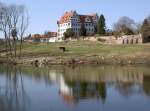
146, 85
74, 84
12, 93
83, 90
90, 82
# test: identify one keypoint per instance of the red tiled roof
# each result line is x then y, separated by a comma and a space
83, 17
36, 36
50, 34
54, 34
67, 98
67, 16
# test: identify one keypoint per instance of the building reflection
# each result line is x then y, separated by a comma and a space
83, 90
79, 83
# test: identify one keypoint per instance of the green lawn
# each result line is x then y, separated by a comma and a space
84, 48
92, 52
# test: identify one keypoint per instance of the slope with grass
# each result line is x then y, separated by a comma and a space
88, 51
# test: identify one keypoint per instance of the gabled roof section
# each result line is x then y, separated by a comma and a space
66, 17
48, 35
83, 18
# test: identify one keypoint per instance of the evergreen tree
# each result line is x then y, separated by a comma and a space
101, 26
145, 30
69, 33
83, 30
95, 29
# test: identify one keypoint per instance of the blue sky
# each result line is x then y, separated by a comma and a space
45, 13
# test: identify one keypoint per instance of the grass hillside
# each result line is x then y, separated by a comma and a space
81, 52
84, 48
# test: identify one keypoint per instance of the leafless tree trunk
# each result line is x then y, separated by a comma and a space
13, 24
15, 15
4, 23
24, 22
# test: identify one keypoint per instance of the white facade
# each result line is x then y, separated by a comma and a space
74, 21
51, 39
62, 28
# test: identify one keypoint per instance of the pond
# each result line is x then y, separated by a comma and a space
82, 88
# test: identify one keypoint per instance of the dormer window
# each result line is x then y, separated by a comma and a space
87, 19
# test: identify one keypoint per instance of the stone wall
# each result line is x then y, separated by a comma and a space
127, 39
132, 39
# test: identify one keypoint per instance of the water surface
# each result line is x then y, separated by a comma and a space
83, 88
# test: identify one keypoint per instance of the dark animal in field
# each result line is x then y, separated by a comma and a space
62, 48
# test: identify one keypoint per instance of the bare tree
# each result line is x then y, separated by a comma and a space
20, 22
125, 25
23, 25
13, 24
15, 11
14, 35
4, 22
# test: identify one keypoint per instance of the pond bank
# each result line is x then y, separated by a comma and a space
79, 60
80, 52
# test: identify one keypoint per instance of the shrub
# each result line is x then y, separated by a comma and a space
101, 40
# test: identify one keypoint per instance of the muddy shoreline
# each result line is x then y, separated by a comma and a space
77, 60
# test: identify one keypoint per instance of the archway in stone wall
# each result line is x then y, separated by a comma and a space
136, 41
131, 42
123, 42
148, 39
127, 41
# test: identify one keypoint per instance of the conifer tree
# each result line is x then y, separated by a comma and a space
101, 26
145, 30
83, 30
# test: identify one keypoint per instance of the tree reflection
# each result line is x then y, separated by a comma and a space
85, 90
125, 89
13, 96
146, 85
75, 84
90, 82
102, 90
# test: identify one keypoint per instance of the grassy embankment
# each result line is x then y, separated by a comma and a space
85, 51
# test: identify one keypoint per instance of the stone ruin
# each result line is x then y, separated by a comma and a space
132, 39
